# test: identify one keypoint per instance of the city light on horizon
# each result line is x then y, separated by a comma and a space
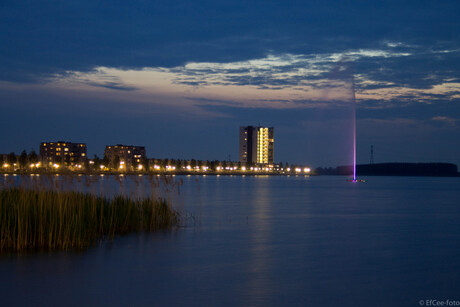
406, 87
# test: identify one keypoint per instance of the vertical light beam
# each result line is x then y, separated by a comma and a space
353, 97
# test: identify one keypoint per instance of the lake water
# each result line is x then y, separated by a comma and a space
267, 241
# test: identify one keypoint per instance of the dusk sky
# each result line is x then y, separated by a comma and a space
181, 77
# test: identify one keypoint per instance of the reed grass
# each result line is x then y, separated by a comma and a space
33, 219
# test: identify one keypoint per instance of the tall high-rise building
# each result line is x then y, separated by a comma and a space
257, 144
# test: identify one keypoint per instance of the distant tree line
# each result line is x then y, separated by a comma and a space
22, 161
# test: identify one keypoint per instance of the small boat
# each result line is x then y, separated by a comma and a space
355, 180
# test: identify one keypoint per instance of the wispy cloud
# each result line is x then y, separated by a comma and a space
113, 86
279, 81
446, 120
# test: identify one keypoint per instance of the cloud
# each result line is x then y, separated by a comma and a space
42, 39
445, 120
277, 81
275, 70
113, 86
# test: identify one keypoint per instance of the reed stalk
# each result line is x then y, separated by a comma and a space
32, 219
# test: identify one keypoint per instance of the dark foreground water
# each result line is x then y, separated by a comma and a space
268, 241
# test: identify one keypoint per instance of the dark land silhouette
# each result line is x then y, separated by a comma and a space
394, 169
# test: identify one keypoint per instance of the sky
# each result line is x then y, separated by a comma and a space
180, 77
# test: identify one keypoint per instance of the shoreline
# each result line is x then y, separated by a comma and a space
158, 173
210, 173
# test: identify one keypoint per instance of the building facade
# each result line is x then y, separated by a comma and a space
257, 144
127, 154
67, 153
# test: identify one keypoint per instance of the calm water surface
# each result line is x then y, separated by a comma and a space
267, 241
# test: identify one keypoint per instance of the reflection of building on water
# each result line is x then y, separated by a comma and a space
260, 260
256, 144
